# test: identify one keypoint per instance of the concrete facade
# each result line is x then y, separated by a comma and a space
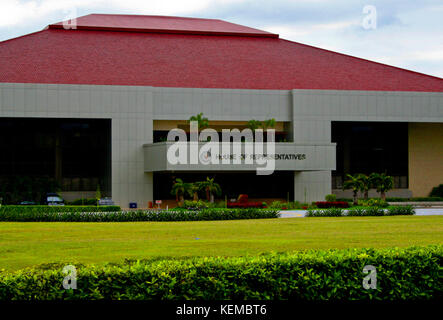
133, 109
425, 157
129, 108
314, 157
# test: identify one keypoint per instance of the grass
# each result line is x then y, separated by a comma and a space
32, 243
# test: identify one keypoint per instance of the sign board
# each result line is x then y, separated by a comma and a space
105, 202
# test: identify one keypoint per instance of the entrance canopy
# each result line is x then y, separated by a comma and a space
286, 156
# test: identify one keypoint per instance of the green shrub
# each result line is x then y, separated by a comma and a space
331, 197
373, 203
374, 211
298, 205
402, 274
195, 205
138, 215
393, 199
330, 212
220, 204
400, 210
292, 205
20, 212
361, 211
277, 205
356, 212
437, 191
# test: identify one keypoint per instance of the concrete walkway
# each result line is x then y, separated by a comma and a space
418, 212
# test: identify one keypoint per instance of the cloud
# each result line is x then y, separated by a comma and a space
15, 12
408, 37
22, 13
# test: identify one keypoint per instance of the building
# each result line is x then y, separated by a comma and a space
92, 106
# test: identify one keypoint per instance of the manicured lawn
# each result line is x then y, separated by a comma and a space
31, 243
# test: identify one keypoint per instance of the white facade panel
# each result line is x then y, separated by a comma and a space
133, 109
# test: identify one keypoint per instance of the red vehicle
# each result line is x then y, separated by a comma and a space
242, 202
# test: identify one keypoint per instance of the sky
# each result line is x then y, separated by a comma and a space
402, 33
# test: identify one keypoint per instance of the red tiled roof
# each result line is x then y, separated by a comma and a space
99, 54
162, 24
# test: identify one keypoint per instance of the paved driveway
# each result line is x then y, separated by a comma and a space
418, 212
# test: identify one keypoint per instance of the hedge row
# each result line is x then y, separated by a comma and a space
391, 199
22, 213
139, 215
402, 274
362, 211
332, 204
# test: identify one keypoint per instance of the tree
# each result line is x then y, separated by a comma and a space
437, 191
202, 123
210, 188
179, 189
383, 183
270, 123
353, 183
366, 183
194, 189
253, 125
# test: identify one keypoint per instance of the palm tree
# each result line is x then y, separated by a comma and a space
366, 183
253, 125
210, 187
353, 183
383, 183
179, 189
194, 189
202, 123
270, 123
